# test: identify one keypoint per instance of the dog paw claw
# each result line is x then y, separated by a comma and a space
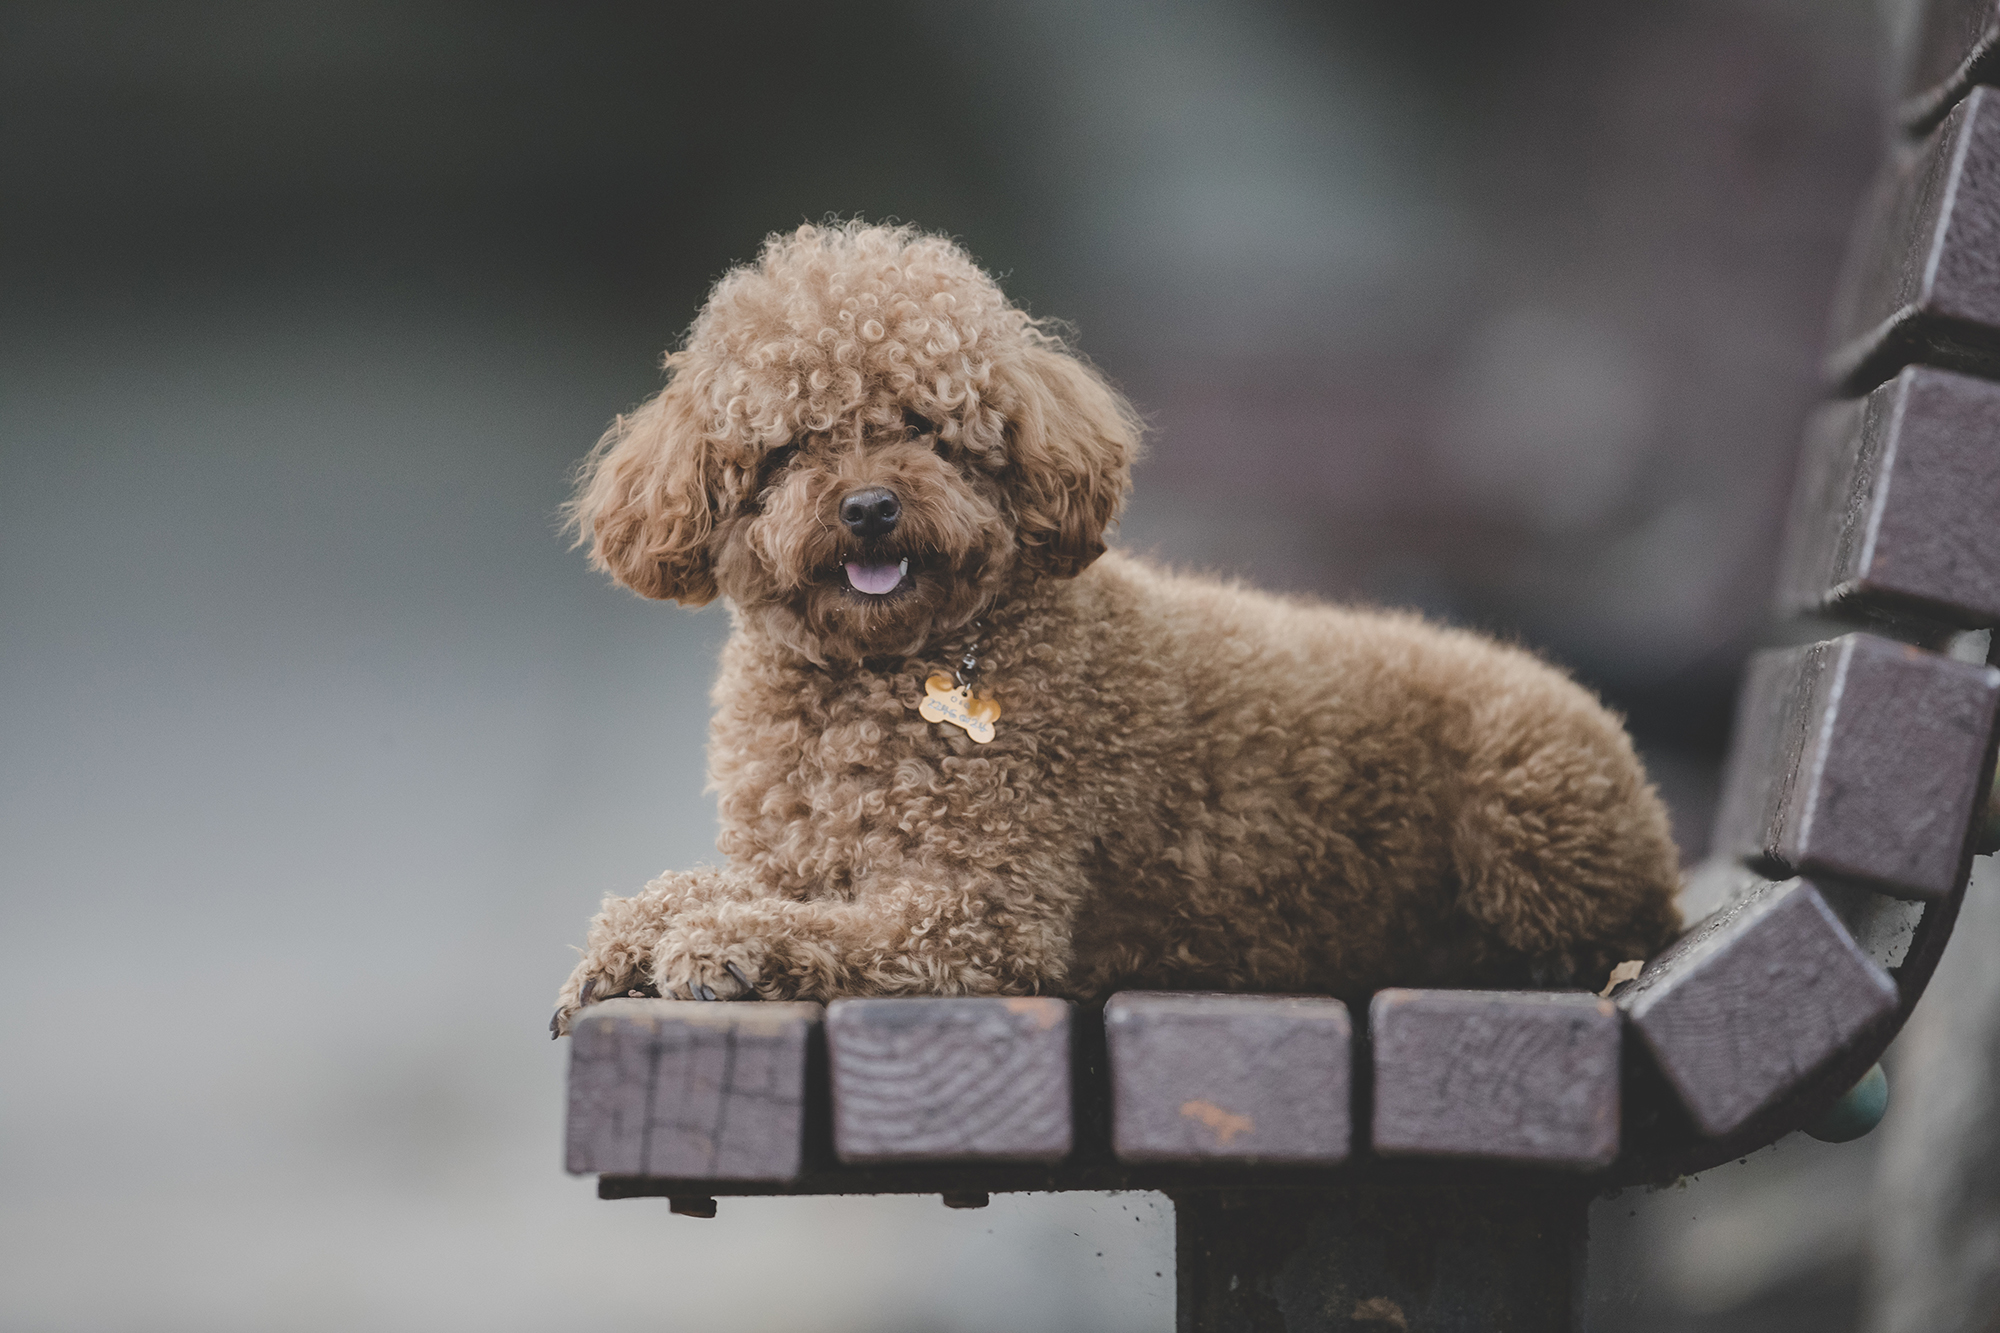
708, 968
586, 994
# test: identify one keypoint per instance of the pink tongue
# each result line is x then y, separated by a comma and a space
876, 579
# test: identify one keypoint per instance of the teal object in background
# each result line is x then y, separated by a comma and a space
1859, 1110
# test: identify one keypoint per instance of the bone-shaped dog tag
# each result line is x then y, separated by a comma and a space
945, 703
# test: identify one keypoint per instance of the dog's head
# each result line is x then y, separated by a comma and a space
863, 446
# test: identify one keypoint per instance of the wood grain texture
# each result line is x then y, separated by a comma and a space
1246, 1078
1947, 47
938, 1080
1755, 999
689, 1090
1922, 277
1897, 507
1858, 758
1527, 1077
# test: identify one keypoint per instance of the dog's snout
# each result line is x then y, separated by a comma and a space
871, 513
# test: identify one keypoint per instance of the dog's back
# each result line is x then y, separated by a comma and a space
1343, 799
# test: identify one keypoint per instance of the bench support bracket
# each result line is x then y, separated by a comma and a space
1440, 1260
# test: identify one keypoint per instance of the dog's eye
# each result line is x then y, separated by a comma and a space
920, 426
775, 462
768, 468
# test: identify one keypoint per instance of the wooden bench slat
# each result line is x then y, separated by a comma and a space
690, 1090
1882, 927
1858, 758
1953, 44
1238, 1078
943, 1080
1922, 281
1712, 885
1897, 507
1528, 1077
1753, 1000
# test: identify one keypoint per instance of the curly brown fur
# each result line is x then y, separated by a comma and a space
1192, 783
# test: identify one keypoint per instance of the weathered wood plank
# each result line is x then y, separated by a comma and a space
1713, 885
1883, 927
1858, 758
1240, 1078
1514, 1076
1948, 46
1922, 279
938, 1080
1751, 1001
1897, 507
690, 1090
612, 1057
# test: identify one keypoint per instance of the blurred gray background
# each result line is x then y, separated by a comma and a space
318, 747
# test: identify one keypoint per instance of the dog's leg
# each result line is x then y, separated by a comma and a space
1563, 853
618, 952
987, 935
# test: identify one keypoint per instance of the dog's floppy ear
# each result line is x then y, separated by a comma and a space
1071, 442
644, 499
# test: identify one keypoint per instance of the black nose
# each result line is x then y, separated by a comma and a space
870, 513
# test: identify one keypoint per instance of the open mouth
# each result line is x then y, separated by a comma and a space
878, 576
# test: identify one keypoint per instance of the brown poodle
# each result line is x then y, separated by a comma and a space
901, 485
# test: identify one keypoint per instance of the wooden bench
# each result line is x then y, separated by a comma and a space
1425, 1161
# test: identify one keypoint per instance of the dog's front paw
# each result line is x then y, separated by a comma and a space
597, 978
619, 950
695, 963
